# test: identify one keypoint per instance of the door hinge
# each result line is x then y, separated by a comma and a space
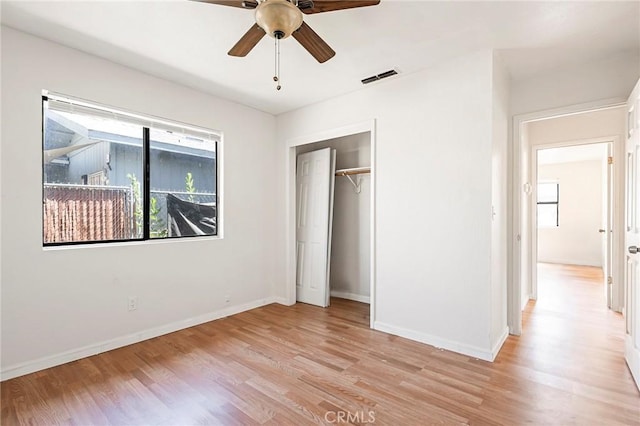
609, 280
609, 160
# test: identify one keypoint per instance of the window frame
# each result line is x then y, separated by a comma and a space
216, 135
556, 203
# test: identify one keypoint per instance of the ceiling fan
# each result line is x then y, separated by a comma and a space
282, 18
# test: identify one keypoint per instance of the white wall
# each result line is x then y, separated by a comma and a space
433, 197
576, 240
350, 248
578, 127
613, 77
64, 303
499, 178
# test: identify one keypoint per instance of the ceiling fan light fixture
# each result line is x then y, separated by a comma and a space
278, 18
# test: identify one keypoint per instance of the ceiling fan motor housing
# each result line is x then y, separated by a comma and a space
278, 18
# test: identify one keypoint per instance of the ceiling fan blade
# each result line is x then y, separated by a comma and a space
247, 41
311, 41
320, 6
248, 4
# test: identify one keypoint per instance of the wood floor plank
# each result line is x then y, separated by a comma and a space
298, 365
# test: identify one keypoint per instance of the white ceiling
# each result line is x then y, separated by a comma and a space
569, 154
186, 41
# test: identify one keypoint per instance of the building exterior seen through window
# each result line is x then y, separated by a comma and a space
115, 176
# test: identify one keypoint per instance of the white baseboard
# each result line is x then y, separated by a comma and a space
569, 261
282, 301
618, 309
496, 348
97, 348
450, 345
350, 296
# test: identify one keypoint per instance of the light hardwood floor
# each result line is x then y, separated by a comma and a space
301, 365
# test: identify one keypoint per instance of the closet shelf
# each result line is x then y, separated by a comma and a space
353, 171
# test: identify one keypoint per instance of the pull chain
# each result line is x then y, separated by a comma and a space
276, 77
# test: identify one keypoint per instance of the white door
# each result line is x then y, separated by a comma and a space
632, 238
314, 180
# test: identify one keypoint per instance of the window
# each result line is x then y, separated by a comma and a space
548, 200
110, 175
97, 178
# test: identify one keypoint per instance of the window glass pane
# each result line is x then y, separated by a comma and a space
547, 215
183, 184
92, 178
95, 169
547, 192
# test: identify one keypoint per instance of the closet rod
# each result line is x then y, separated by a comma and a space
353, 171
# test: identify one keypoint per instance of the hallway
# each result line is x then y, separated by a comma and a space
573, 344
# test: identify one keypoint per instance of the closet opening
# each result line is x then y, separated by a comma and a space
331, 197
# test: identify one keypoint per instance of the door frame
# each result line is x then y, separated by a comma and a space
290, 204
612, 141
518, 145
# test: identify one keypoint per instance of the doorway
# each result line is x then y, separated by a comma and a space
352, 249
597, 122
571, 212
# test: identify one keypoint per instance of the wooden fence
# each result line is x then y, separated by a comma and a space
76, 213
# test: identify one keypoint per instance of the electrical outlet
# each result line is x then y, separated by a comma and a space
133, 303
227, 298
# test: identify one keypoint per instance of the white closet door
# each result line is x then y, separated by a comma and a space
314, 181
332, 192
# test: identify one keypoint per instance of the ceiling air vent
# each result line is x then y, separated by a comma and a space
379, 76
